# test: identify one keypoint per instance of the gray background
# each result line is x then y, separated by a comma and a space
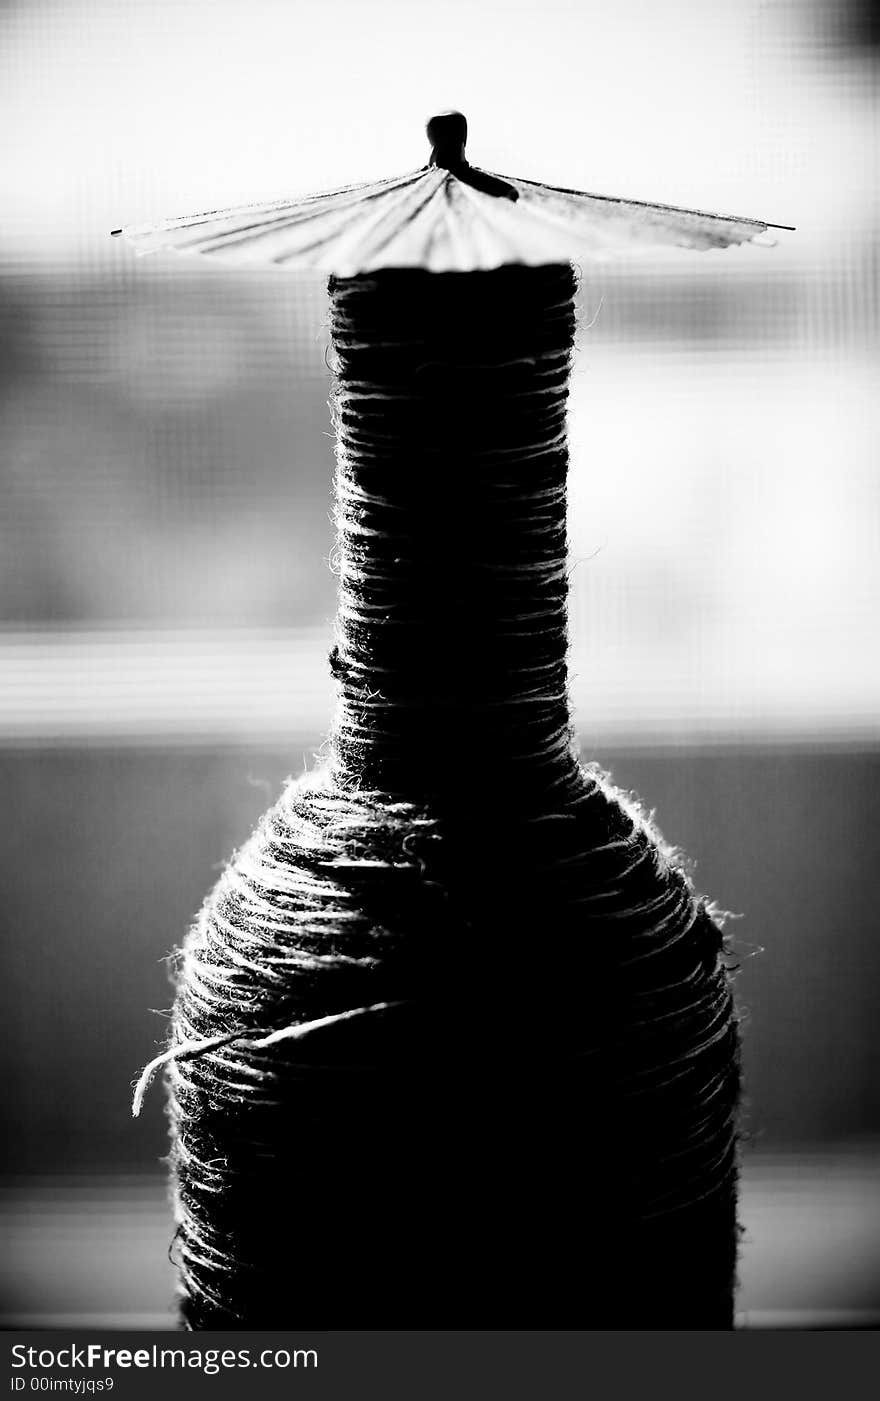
166, 601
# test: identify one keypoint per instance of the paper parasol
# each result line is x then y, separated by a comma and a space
447, 216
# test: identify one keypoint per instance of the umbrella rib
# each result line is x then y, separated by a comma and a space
382, 239
503, 213
297, 216
288, 215
361, 191
517, 180
603, 232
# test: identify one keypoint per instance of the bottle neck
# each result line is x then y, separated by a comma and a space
450, 409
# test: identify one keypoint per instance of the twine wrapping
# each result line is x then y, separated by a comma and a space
453, 1043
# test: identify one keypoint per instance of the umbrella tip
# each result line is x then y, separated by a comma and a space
447, 133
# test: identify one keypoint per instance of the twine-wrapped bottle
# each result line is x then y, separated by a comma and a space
453, 1043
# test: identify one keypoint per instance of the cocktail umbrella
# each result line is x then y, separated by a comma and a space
447, 216
454, 1042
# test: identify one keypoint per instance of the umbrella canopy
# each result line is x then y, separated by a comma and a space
447, 216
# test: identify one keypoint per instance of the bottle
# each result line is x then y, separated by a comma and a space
514, 1106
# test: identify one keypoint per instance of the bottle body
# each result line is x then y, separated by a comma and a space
532, 1128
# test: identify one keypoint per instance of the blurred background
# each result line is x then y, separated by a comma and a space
166, 598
